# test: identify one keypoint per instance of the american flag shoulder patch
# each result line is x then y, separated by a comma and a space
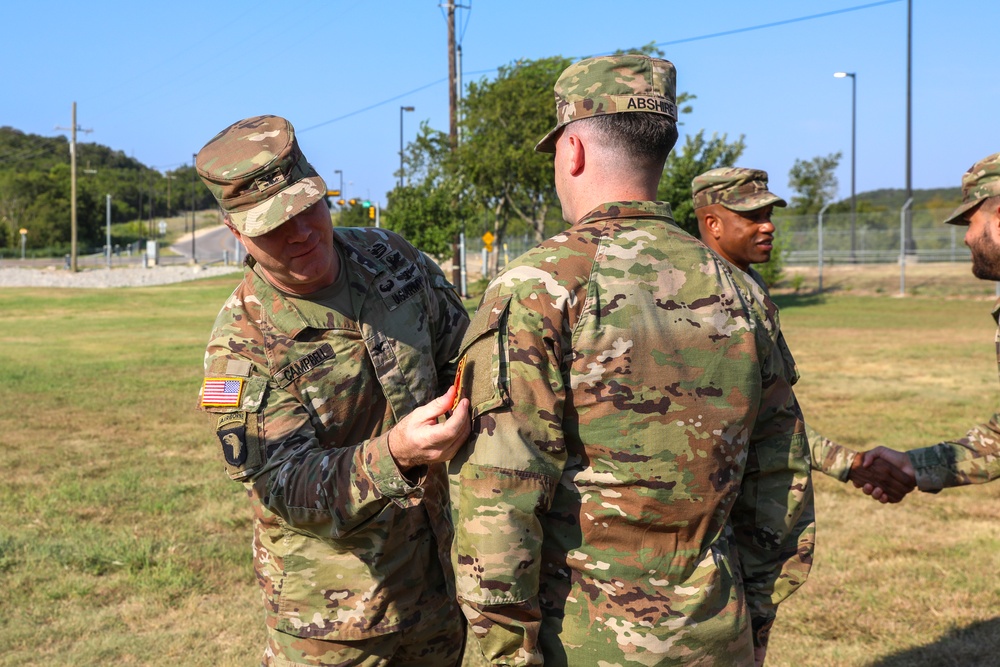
217, 392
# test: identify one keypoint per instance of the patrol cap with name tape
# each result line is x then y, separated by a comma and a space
980, 182
612, 84
257, 173
736, 188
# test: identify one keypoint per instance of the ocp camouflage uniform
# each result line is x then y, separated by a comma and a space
975, 458
742, 190
637, 488
825, 455
346, 548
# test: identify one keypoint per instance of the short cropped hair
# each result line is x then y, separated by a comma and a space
991, 202
643, 137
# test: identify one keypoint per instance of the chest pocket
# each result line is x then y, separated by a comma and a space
330, 376
483, 374
787, 359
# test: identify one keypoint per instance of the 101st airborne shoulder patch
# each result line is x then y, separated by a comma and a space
222, 392
232, 433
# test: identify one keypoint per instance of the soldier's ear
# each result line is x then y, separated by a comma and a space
577, 154
228, 223
713, 224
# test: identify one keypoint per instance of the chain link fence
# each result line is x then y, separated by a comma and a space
874, 240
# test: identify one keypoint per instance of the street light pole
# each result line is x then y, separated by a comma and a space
338, 171
194, 187
401, 110
910, 245
854, 107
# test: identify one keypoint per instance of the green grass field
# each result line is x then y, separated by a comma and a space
123, 542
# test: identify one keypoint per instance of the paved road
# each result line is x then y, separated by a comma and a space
211, 245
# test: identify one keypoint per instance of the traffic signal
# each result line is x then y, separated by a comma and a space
340, 202
371, 212
352, 202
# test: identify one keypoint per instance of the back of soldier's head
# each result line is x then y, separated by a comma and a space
626, 102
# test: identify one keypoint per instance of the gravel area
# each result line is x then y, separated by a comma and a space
125, 277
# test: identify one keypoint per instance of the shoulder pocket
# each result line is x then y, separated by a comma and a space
482, 374
238, 421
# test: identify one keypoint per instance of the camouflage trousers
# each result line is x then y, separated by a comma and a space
437, 641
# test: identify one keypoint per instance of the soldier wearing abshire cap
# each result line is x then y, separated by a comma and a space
636, 489
322, 372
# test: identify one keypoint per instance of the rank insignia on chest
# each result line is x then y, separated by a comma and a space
221, 392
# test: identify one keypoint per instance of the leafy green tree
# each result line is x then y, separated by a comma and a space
697, 156
417, 211
433, 207
35, 191
814, 183
502, 120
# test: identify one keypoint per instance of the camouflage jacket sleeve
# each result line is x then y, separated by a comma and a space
327, 484
452, 321
829, 457
327, 492
973, 459
504, 481
774, 518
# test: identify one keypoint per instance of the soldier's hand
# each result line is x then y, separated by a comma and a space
420, 438
884, 474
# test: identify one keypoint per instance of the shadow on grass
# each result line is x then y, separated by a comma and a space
970, 646
798, 299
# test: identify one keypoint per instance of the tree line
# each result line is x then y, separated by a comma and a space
35, 192
491, 179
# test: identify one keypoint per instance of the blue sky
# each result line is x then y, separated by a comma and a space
158, 80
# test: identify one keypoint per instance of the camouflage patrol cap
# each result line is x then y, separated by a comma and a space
612, 84
980, 182
736, 188
257, 173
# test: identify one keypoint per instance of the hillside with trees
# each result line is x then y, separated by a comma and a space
35, 193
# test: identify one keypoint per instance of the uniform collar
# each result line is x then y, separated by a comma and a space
630, 209
364, 263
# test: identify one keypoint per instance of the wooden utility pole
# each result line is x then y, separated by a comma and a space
452, 83
72, 189
456, 251
72, 179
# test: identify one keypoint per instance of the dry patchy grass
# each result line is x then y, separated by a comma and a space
913, 584
122, 541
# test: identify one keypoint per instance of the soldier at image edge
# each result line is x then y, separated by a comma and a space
636, 489
733, 206
322, 371
974, 458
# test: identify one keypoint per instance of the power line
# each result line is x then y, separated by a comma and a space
373, 106
667, 43
775, 24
